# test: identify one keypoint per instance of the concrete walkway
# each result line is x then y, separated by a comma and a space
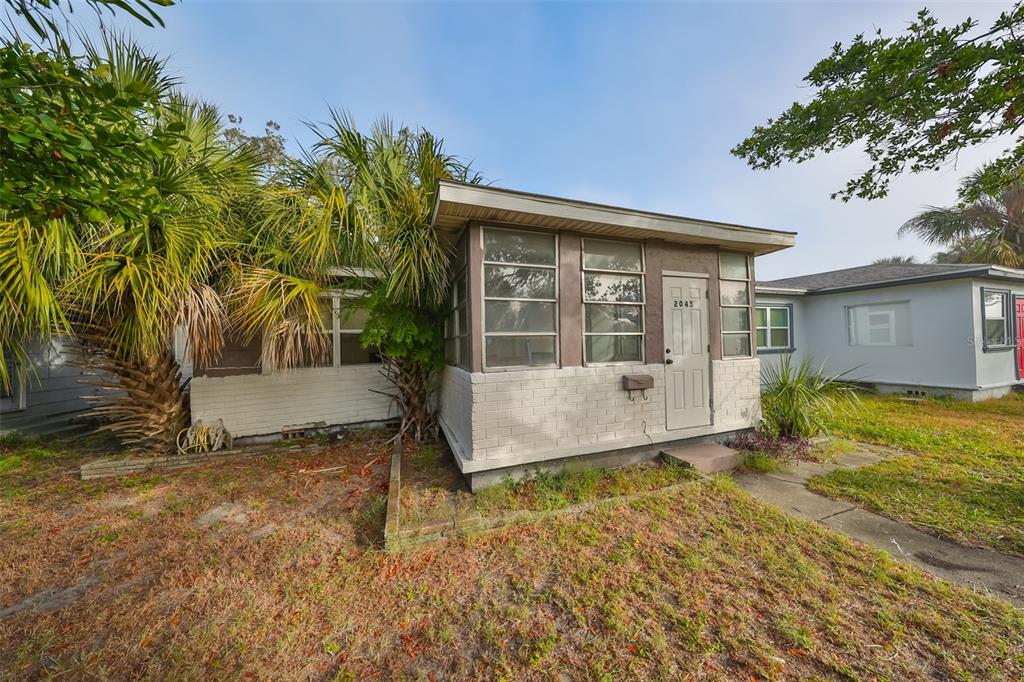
982, 569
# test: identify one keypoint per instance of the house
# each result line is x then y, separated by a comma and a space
574, 331
938, 329
578, 331
50, 396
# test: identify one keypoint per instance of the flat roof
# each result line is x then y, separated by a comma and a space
458, 203
880, 275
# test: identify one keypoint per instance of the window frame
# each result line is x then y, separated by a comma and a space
1008, 318
17, 401
642, 304
751, 329
453, 331
892, 342
768, 307
335, 330
556, 334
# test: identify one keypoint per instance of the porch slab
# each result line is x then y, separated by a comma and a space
708, 458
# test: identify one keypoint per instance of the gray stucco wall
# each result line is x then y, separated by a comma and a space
944, 321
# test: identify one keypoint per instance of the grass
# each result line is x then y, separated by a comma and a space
964, 476
119, 579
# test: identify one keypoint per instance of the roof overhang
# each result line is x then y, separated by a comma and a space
459, 203
994, 272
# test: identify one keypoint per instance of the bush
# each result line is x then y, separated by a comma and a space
797, 399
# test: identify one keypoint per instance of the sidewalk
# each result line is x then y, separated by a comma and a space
982, 569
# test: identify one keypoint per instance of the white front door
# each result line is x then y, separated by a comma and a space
687, 355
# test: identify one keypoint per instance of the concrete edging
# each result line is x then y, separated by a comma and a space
111, 467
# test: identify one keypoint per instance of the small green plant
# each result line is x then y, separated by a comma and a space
763, 462
797, 399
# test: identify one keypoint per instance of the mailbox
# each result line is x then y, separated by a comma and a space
637, 382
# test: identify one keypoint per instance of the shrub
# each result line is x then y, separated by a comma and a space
797, 399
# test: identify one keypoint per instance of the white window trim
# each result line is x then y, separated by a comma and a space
484, 298
769, 327
18, 400
750, 303
642, 274
851, 327
1008, 313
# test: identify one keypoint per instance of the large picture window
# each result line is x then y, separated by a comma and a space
734, 295
520, 298
774, 328
613, 302
995, 318
879, 324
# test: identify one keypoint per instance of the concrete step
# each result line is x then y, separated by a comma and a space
708, 458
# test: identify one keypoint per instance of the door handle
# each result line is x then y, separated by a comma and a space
668, 351
669, 361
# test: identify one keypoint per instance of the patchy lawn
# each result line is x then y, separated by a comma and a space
257, 571
964, 479
433, 489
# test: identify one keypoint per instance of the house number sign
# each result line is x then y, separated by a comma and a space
676, 303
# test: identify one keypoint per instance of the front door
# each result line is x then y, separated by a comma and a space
687, 355
1020, 336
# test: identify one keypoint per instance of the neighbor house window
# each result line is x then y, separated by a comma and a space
520, 298
774, 328
456, 323
734, 288
613, 301
343, 323
995, 318
12, 395
880, 324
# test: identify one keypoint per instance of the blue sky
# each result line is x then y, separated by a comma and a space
631, 104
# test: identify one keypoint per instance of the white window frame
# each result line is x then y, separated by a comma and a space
722, 307
642, 274
485, 298
336, 329
1007, 318
18, 399
769, 327
890, 324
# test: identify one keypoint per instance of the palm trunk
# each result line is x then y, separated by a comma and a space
143, 403
414, 384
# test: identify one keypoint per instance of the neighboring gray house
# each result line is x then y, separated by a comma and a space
934, 329
48, 397
554, 302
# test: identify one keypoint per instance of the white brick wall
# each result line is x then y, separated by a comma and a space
500, 419
256, 404
736, 392
455, 409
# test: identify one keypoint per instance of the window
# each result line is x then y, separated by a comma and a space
734, 295
343, 323
520, 298
881, 324
995, 318
12, 395
456, 323
613, 302
774, 329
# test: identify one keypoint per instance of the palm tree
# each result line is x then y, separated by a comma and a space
990, 230
895, 260
392, 177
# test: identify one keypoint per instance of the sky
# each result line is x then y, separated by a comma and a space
631, 104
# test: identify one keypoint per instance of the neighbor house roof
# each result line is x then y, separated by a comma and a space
884, 275
459, 203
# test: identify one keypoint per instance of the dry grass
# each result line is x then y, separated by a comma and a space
289, 584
